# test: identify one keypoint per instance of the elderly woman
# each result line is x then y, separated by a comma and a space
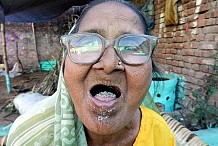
105, 76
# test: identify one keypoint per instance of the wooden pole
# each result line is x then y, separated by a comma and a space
7, 76
34, 39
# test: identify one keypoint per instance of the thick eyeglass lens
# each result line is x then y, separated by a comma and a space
85, 49
134, 50
88, 48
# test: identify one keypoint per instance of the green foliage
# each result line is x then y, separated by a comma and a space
9, 108
204, 114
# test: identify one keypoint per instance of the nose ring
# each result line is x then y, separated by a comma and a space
119, 63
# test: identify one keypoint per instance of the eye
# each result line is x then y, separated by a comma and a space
128, 48
80, 44
84, 41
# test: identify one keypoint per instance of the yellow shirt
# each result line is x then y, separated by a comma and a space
153, 131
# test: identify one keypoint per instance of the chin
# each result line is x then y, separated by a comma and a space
106, 123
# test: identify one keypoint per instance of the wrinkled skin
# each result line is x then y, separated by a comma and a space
116, 122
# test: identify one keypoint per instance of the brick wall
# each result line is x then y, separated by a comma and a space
21, 42
187, 48
184, 49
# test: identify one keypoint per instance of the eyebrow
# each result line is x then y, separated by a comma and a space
103, 32
98, 31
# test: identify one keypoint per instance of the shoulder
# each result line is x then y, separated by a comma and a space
156, 128
150, 115
28, 126
153, 120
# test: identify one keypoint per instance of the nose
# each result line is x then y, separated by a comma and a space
109, 61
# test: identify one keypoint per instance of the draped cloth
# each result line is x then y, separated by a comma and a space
54, 122
171, 16
58, 123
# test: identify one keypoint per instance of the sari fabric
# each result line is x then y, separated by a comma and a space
54, 122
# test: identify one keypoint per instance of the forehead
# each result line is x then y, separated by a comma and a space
111, 16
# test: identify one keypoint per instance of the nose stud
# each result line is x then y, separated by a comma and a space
119, 63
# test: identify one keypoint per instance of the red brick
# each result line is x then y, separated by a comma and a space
170, 40
205, 61
207, 15
187, 65
187, 45
192, 38
190, 59
201, 82
170, 68
162, 61
163, 51
181, 64
179, 33
185, 38
194, 31
204, 7
208, 45
193, 80
204, 68
162, 4
178, 40
199, 75
190, 11
188, 72
210, 37
199, 61
189, 5
192, 18
177, 70
180, 27
205, 1
178, 57
190, 45
198, 53
169, 62
178, 45
206, 54
184, 1
155, 55
162, 40
169, 56
214, 13
201, 23
167, 51
161, 45
174, 63
210, 21
201, 16
188, 52
200, 37
173, 51
171, 46
168, 35
195, 67
216, 38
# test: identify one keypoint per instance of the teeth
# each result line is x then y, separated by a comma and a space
107, 94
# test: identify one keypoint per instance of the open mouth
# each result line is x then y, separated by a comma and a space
105, 93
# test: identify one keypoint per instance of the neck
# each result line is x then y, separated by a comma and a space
126, 136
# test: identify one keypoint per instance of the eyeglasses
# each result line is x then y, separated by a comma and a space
87, 48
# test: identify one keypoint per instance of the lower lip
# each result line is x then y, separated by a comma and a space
104, 104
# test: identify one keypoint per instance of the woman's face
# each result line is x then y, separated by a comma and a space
103, 112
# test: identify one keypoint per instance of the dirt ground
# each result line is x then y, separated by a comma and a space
20, 84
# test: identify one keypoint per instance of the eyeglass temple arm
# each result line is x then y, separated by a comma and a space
154, 41
64, 40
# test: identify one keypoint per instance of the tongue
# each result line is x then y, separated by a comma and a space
105, 96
